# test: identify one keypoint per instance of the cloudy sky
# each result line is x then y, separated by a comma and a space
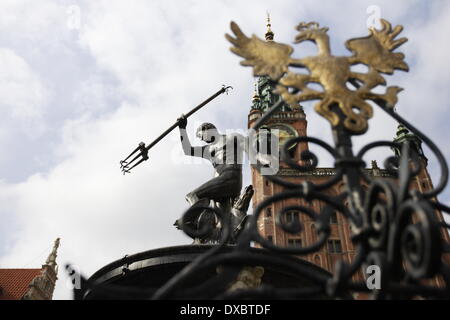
83, 82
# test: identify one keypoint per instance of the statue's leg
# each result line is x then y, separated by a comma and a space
200, 197
225, 206
227, 185
194, 200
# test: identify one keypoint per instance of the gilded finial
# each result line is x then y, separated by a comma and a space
269, 34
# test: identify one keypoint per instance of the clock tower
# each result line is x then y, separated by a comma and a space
290, 121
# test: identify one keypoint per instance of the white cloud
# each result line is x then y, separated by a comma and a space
23, 103
22, 94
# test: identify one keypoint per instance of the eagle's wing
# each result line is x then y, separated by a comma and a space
266, 57
376, 50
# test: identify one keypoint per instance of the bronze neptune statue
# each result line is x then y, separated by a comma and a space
225, 152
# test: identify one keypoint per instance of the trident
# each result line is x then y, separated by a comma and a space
142, 149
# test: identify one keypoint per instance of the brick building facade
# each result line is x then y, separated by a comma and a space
291, 122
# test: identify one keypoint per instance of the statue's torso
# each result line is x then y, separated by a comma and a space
226, 152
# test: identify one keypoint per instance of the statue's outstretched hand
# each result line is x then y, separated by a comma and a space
182, 122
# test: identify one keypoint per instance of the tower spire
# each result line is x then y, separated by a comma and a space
51, 260
269, 34
43, 285
255, 93
404, 135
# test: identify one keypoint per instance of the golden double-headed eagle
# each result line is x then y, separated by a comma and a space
273, 59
